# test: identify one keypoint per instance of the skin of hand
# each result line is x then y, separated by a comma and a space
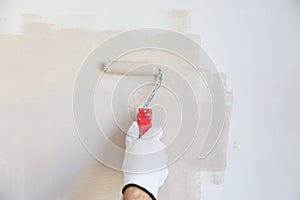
145, 162
134, 193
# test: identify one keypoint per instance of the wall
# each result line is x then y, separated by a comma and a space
255, 43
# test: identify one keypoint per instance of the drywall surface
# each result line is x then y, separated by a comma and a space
255, 42
44, 157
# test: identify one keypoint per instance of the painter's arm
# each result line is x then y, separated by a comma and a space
134, 193
144, 165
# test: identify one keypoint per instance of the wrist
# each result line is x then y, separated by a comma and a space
135, 192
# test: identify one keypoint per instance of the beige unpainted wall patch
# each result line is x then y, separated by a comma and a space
180, 20
41, 155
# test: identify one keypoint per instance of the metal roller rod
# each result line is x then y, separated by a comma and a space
157, 86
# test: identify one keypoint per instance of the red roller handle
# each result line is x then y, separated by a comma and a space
144, 120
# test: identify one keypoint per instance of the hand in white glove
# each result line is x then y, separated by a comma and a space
145, 161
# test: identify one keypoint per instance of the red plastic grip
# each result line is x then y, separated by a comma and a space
144, 120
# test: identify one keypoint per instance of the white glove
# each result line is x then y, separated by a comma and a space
145, 161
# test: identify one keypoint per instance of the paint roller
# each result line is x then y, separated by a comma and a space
144, 116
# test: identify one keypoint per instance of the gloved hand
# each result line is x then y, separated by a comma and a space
145, 161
